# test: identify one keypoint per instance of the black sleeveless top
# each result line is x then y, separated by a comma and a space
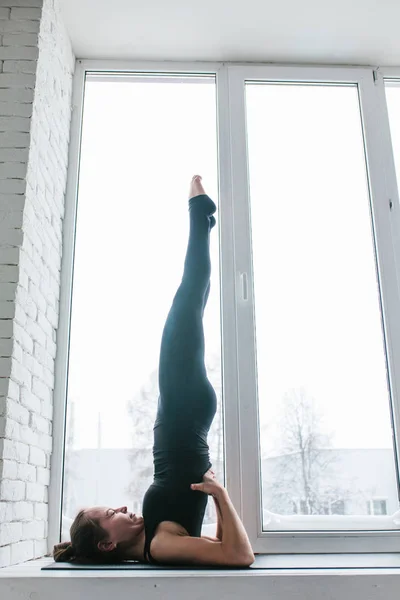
169, 497
160, 504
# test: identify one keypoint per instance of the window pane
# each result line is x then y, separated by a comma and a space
379, 507
392, 89
337, 508
324, 406
143, 139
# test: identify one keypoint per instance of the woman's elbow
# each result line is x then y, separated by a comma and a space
248, 559
243, 560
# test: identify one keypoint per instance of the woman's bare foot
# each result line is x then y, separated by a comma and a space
196, 187
205, 204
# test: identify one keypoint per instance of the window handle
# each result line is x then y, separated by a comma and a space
245, 289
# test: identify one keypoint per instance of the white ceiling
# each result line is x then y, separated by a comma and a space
365, 32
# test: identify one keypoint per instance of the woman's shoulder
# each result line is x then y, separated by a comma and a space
164, 532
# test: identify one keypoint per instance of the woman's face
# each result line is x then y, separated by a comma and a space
122, 527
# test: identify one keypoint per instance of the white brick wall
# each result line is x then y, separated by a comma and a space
36, 67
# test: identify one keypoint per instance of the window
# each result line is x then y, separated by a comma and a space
325, 507
320, 352
131, 237
377, 507
308, 313
337, 507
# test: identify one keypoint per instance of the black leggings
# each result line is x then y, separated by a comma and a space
187, 402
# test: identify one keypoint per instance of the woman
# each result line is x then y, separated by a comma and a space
173, 507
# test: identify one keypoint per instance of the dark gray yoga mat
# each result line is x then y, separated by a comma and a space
129, 566
270, 562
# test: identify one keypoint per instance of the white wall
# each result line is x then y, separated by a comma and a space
35, 110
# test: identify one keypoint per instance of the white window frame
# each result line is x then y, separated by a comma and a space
383, 74
383, 188
242, 460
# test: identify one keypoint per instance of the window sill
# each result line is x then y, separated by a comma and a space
276, 564
27, 581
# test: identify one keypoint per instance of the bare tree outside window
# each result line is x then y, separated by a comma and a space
301, 476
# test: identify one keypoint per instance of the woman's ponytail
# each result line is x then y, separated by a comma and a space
64, 552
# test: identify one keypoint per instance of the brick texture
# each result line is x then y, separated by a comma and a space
36, 70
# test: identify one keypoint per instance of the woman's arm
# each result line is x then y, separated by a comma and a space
218, 535
219, 519
230, 531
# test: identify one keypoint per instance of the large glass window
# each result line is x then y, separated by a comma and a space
143, 139
324, 404
309, 297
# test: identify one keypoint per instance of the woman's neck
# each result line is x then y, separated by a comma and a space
135, 551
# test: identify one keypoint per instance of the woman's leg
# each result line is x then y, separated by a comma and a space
182, 374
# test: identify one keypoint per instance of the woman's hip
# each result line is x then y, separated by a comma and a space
180, 470
188, 407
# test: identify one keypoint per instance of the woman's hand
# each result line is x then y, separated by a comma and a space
209, 486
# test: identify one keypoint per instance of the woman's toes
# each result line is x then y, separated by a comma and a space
196, 186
